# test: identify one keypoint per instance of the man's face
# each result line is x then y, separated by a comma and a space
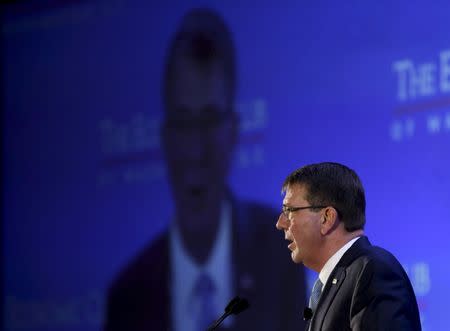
301, 228
199, 136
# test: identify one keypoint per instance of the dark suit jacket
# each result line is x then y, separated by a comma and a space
139, 299
371, 292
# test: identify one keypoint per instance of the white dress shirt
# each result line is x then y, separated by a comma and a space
333, 261
185, 273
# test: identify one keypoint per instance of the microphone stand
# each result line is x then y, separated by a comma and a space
235, 306
218, 321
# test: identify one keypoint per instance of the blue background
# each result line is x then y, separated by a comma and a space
84, 183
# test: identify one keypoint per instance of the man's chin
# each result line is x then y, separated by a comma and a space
295, 256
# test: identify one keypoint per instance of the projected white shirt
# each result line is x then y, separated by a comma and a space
186, 271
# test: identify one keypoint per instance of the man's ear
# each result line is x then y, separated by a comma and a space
329, 220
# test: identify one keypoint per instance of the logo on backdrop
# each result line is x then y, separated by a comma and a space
81, 312
253, 124
26, 18
131, 147
422, 97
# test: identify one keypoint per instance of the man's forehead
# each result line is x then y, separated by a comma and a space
197, 90
186, 70
294, 191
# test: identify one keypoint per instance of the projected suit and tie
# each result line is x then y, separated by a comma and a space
215, 246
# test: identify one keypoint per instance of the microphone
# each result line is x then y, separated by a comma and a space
235, 306
307, 314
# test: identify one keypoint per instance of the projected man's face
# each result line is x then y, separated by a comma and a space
199, 137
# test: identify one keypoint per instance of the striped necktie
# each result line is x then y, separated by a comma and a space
315, 294
204, 291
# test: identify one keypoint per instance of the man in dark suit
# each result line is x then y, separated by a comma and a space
360, 286
215, 247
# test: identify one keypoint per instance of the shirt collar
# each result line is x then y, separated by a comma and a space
185, 271
333, 261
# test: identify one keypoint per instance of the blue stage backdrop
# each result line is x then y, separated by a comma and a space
85, 185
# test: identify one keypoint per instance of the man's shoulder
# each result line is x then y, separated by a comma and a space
147, 267
377, 260
382, 259
138, 294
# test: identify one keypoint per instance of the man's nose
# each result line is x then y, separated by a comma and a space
195, 148
282, 223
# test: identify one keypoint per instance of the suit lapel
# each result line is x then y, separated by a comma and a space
335, 281
247, 273
243, 241
328, 294
166, 268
